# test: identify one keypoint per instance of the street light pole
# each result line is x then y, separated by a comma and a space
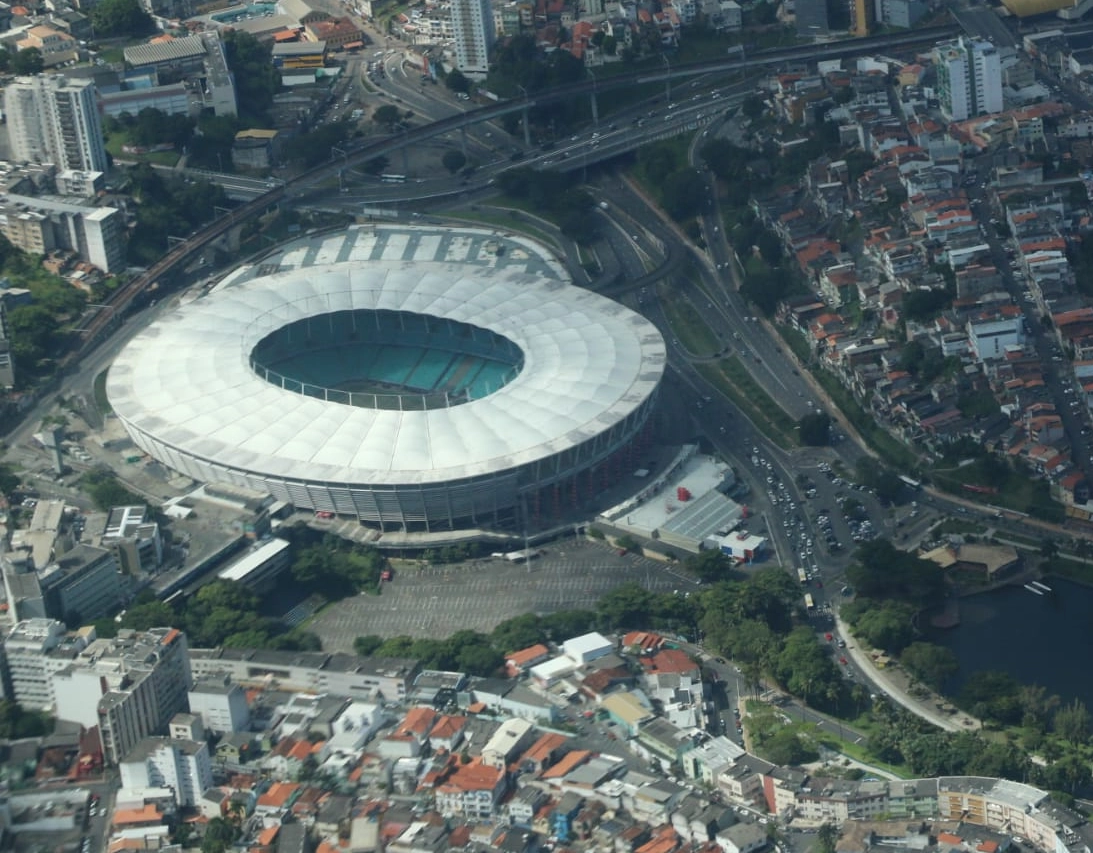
667, 78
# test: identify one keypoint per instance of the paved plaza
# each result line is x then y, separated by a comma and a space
438, 601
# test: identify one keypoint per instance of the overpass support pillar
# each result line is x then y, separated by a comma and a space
595, 109
405, 160
527, 128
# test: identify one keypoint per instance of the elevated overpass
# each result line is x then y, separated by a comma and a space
105, 318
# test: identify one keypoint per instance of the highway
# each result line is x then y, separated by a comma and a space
303, 184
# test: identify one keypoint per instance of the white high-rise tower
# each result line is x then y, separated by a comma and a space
969, 78
472, 24
55, 120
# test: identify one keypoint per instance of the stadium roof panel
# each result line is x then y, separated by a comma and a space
588, 363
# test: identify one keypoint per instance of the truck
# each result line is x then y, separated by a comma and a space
523, 555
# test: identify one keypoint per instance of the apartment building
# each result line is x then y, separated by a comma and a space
221, 704
969, 78
129, 687
29, 654
39, 226
7, 362
472, 25
180, 764
336, 674
52, 119
81, 585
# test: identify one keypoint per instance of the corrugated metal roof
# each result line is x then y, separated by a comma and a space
1026, 8
165, 51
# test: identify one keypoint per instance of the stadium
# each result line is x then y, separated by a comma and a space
425, 396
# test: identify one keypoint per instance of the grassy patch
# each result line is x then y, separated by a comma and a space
1013, 490
731, 378
859, 753
795, 341
1017, 539
955, 525
687, 324
99, 391
890, 450
672, 150
503, 223
1070, 569
115, 141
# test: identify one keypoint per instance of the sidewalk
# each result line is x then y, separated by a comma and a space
896, 684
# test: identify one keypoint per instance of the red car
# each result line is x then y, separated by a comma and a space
829, 637
843, 662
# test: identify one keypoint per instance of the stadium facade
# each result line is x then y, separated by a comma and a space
415, 397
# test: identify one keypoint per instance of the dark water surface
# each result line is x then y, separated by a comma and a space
1038, 639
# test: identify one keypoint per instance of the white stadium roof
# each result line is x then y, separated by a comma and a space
186, 380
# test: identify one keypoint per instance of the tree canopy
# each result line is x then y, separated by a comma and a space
256, 78
815, 429
121, 18
882, 571
27, 61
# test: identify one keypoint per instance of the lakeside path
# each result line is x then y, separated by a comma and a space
896, 684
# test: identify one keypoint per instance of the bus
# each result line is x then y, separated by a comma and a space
393, 179
802, 577
911, 484
810, 605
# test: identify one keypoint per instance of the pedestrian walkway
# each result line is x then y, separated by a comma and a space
896, 684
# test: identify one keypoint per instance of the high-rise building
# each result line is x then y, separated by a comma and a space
220, 703
28, 658
862, 16
7, 363
55, 120
176, 763
969, 78
82, 584
130, 687
900, 13
472, 24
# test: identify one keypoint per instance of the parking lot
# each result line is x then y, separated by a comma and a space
438, 601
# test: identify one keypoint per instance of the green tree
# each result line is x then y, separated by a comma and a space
17, 722
107, 492
387, 114
366, 646
992, 695
827, 836
881, 570
256, 78
9, 480
518, 633
376, 165
457, 81
1072, 722
753, 107
709, 565
682, 193
815, 429
220, 834
627, 606
121, 18
28, 61
453, 160
151, 614
930, 663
